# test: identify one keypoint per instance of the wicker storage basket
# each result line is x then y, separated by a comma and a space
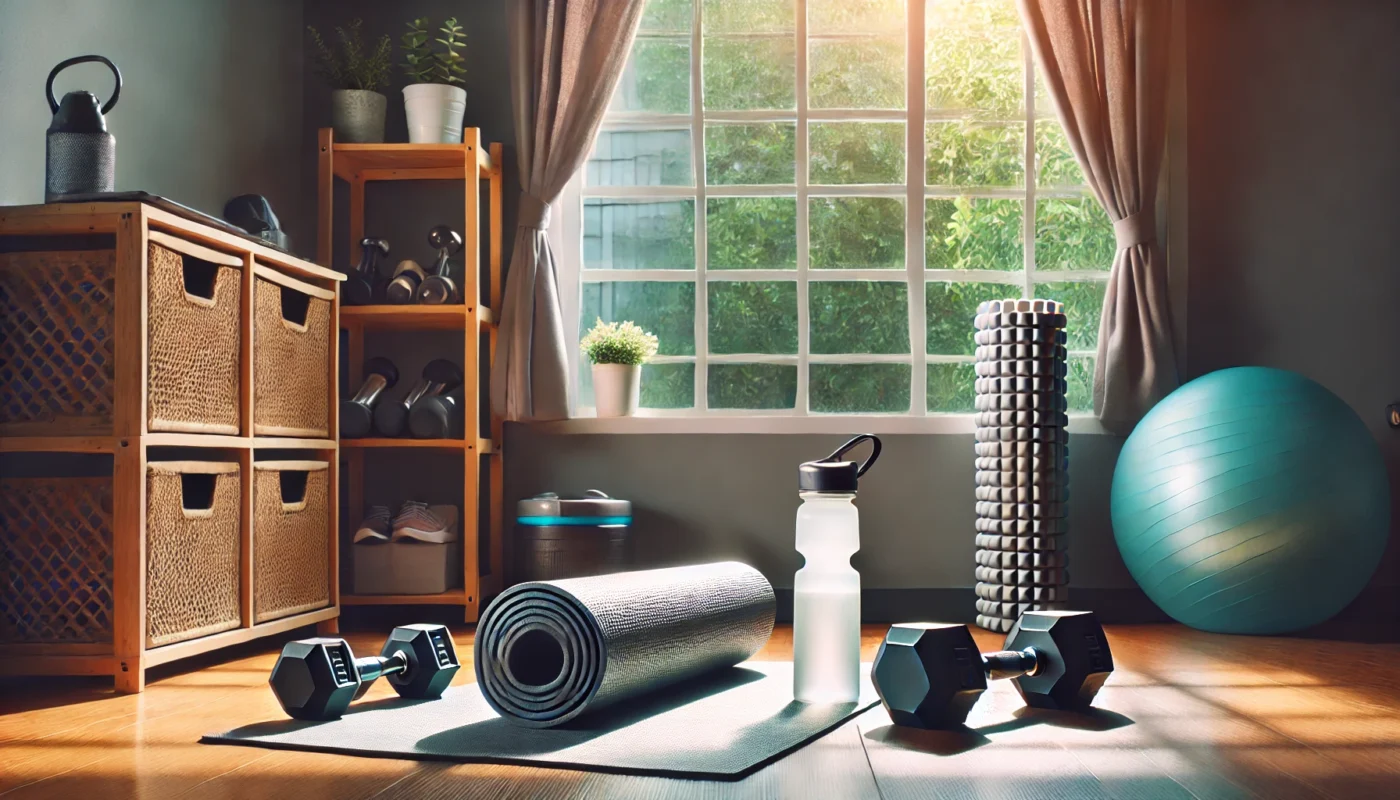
291, 536
194, 342
192, 550
291, 352
56, 560
56, 348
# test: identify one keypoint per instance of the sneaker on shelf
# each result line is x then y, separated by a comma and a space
425, 523
375, 526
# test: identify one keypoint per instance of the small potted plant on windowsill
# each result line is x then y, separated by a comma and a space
432, 104
355, 75
617, 351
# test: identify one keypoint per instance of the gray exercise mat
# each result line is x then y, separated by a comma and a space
720, 727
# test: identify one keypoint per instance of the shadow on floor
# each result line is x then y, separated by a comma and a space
962, 739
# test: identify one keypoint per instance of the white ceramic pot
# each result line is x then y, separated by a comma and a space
434, 112
617, 389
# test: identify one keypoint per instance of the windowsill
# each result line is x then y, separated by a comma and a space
644, 423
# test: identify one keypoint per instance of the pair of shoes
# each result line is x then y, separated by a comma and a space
418, 521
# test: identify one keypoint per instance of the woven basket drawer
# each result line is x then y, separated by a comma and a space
193, 320
56, 560
192, 550
56, 342
291, 536
291, 358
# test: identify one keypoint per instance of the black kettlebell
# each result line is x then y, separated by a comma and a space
80, 156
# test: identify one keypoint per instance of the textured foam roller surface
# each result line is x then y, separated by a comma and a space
549, 651
1022, 459
723, 725
1251, 500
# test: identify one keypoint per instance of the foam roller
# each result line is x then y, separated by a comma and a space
549, 651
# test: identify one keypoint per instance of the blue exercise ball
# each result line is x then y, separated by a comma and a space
1251, 500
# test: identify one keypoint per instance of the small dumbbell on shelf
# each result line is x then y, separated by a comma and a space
360, 286
929, 675
403, 285
357, 413
317, 679
439, 288
437, 417
439, 376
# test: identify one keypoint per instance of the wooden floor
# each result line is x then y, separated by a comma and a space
1187, 714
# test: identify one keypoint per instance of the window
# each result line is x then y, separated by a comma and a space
808, 218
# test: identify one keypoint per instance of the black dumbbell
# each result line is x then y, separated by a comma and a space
317, 679
359, 287
439, 376
403, 286
439, 288
929, 675
357, 413
437, 417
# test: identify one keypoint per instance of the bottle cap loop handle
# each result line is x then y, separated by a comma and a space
851, 445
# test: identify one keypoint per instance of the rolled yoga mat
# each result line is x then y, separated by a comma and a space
549, 651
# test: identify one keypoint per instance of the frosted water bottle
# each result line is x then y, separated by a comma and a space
826, 591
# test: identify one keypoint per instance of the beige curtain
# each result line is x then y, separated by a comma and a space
565, 59
1105, 64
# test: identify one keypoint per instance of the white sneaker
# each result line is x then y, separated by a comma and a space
424, 523
375, 526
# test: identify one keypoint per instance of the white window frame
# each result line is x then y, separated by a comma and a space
566, 241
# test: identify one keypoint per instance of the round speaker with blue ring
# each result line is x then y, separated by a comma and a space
557, 538
1251, 500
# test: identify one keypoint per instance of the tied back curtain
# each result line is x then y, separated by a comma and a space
1105, 64
566, 57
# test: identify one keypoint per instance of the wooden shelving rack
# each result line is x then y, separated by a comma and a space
471, 163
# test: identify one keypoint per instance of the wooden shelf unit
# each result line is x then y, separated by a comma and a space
472, 163
134, 225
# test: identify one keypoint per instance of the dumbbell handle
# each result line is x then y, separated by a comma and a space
370, 389
424, 388
1011, 663
371, 668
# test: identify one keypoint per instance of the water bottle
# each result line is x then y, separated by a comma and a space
826, 591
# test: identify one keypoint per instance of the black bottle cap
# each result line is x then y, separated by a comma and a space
835, 475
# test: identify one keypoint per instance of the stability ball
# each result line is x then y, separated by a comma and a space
1251, 500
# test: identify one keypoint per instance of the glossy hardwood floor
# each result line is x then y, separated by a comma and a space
1187, 714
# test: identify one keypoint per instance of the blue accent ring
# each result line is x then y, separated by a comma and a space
538, 522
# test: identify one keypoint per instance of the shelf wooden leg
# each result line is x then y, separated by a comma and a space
328, 627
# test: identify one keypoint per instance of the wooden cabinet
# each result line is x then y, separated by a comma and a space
131, 337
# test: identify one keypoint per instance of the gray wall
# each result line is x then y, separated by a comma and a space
210, 107
1294, 136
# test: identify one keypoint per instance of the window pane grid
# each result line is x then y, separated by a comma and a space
792, 189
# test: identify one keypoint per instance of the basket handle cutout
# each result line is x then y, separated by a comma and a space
293, 486
197, 494
201, 279
295, 306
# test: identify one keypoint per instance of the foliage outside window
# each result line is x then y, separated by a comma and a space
758, 199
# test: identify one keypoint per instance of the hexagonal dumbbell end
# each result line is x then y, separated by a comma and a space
1072, 658
432, 660
315, 679
928, 674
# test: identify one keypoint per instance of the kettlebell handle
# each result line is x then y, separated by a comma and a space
62, 65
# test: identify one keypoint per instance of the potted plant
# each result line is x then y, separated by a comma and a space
432, 104
617, 351
355, 75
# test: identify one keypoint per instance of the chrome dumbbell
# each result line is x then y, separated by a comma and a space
439, 376
359, 287
357, 413
439, 288
437, 417
403, 286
